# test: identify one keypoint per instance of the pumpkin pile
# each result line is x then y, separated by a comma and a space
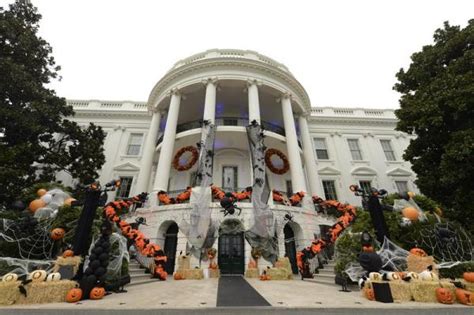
143, 244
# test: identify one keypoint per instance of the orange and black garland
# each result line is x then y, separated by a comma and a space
143, 245
195, 155
347, 217
219, 194
268, 161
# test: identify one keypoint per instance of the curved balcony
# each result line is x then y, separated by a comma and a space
225, 121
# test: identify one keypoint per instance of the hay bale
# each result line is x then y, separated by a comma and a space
214, 273
9, 292
193, 274
418, 264
74, 261
284, 262
184, 262
46, 292
400, 290
279, 274
424, 291
252, 273
468, 285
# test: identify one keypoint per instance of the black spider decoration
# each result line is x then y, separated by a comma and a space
228, 203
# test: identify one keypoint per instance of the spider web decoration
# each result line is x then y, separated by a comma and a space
393, 256
25, 266
32, 237
447, 242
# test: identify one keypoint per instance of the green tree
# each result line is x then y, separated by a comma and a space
437, 106
36, 138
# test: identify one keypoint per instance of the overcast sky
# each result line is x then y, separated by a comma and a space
345, 53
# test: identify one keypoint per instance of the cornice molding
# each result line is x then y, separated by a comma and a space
173, 77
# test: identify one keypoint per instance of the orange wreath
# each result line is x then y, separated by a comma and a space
190, 163
273, 168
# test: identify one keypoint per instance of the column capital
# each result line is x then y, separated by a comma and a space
283, 96
212, 80
174, 91
252, 81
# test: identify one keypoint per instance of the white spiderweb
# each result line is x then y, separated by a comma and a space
448, 243
32, 237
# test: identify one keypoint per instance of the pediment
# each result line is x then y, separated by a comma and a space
364, 170
128, 166
329, 171
398, 171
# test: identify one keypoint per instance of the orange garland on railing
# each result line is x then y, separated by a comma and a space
184, 196
142, 244
348, 216
164, 198
295, 199
218, 193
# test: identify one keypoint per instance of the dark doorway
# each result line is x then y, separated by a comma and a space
290, 247
171, 241
231, 257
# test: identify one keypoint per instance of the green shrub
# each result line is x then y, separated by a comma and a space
457, 271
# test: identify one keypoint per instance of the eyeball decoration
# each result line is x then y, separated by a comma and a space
37, 276
10, 277
54, 276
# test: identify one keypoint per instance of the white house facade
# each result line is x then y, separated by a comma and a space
327, 149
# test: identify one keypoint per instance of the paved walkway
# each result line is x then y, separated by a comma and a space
200, 296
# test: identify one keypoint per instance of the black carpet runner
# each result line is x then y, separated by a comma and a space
236, 291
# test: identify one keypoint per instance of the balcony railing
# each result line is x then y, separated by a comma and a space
225, 121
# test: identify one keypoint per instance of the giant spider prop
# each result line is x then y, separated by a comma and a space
228, 203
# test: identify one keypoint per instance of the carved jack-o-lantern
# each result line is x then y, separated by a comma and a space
38, 275
444, 296
97, 293
413, 275
10, 277
369, 294
54, 276
74, 295
418, 252
57, 234
464, 296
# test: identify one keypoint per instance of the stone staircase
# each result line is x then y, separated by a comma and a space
137, 274
326, 275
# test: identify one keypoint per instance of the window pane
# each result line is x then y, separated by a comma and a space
387, 149
355, 149
125, 185
329, 190
321, 150
134, 144
365, 185
402, 186
289, 188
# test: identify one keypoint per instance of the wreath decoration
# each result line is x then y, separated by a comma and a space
268, 161
190, 163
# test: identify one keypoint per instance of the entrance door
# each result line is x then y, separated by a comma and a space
231, 256
171, 240
290, 247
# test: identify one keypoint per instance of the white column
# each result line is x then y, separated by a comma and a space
166, 153
147, 154
296, 167
254, 103
308, 155
210, 101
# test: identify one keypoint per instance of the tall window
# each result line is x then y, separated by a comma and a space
355, 149
388, 150
289, 188
134, 143
365, 185
321, 149
125, 185
229, 177
402, 186
329, 190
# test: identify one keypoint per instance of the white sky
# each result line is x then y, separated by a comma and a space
345, 53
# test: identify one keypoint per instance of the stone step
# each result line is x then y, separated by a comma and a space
325, 281
136, 277
134, 271
144, 281
325, 272
324, 276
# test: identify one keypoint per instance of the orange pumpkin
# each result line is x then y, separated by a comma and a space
36, 204
41, 192
465, 297
68, 253
57, 234
178, 276
213, 265
444, 296
74, 295
469, 276
410, 213
97, 293
418, 252
369, 294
